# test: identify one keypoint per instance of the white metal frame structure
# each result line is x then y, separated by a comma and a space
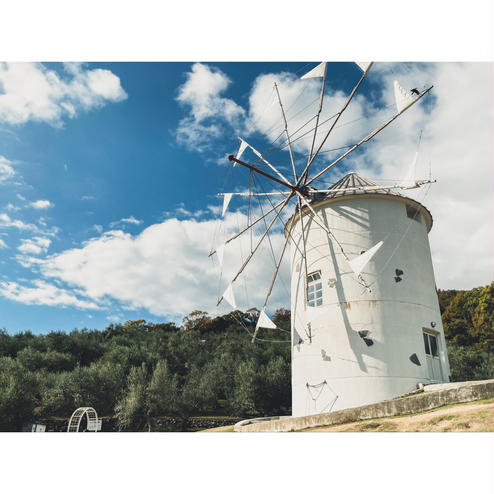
76, 418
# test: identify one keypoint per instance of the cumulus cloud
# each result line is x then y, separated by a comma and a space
208, 110
6, 170
35, 245
7, 222
41, 204
31, 92
165, 269
43, 293
300, 99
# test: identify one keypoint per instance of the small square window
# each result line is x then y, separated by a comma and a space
314, 289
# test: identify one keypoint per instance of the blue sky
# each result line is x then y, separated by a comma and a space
109, 174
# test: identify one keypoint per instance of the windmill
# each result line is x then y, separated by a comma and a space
365, 319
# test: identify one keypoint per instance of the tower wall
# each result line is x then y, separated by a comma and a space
333, 367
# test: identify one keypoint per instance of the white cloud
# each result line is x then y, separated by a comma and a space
3, 245
130, 220
41, 204
300, 99
6, 221
208, 110
165, 269
43, 293
6, 170
457, 123
35, 245
97, 228
87, 198
30, 91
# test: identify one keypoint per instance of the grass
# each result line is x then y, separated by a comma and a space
475, 416
456, 417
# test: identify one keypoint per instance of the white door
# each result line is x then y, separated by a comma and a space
431, 342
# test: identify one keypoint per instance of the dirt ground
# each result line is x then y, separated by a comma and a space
466, 417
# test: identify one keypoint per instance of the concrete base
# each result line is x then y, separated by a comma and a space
433, 396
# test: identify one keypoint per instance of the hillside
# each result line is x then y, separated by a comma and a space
139, 371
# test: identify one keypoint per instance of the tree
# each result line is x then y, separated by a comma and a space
197, 320
133, 410
19, 395
483, 319
244, 398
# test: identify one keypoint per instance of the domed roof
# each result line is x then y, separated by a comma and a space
353, 184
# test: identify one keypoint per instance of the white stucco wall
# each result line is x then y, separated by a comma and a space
336, 361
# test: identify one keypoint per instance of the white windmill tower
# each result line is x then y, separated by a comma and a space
366, 324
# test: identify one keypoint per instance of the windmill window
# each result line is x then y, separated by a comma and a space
430, 342
413, 213
314, 289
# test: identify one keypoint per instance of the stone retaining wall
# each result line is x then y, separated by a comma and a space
460, 393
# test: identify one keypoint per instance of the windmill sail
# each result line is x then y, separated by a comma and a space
265, 322
226, 200
229, 297
359, 263
363, 66
403, 97
241, 149
318, 71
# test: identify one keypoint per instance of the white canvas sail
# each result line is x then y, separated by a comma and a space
229, 297
363, 65
359, 263
318, 71
219, 253
403, 97
226, 200
241, 149
297, 339
265, 322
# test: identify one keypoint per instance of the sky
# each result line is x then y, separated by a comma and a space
109, 175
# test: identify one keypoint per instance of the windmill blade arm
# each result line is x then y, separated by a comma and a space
254, 169
286, 133
416, 184
313, 157
284, 203
254, 193
261, 157
370, 136
321, 100
278, 264
250, 226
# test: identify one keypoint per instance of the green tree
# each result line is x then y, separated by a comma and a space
133, 410
19, 395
